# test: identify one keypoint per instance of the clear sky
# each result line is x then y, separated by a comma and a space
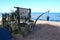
35, 5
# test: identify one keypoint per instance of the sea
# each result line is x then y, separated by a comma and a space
52, 16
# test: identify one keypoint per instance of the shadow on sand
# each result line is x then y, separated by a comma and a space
47, 32
43, 32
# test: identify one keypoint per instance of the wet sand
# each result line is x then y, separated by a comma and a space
44, 30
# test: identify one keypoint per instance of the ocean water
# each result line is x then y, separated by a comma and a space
52, 16
0, 14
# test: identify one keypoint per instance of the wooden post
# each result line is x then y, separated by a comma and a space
18, 18
29, 13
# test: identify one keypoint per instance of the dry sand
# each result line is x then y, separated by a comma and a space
44, 30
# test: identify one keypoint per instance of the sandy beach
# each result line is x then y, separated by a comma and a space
44, 30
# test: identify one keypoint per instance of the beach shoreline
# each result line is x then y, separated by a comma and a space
48, 22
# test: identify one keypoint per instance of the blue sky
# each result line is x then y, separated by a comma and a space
35, 5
